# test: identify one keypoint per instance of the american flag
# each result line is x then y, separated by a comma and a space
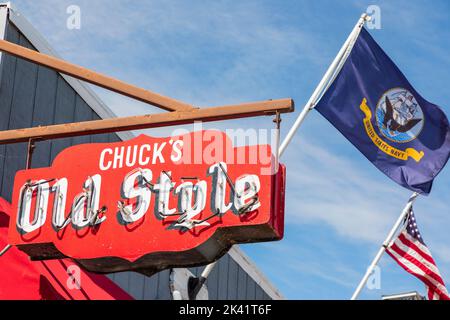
412, 254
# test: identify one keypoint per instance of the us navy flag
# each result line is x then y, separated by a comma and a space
374, 106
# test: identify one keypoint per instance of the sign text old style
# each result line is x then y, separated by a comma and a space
149, 203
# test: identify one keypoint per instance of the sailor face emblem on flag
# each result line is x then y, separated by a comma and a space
399, 116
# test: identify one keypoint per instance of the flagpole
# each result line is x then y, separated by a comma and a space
325, 80
322, 84
385, 244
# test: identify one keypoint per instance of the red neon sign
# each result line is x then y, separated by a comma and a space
149, 203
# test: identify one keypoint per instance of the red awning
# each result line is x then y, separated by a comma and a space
22, 279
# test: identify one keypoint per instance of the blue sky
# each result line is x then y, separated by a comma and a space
339, 207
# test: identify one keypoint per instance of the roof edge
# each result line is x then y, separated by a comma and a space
4, 8
257, 275
43, 46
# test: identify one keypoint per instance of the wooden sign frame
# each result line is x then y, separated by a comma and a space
179, 112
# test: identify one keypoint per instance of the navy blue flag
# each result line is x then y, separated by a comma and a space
374, 106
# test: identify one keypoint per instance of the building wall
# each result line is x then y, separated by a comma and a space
227, 281
32, 95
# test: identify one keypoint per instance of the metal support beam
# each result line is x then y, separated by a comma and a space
5, 249
196, 283
31, 147
263, 108
95, 78
30, 150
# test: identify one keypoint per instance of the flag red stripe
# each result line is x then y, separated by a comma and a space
418, 256
411, 244
417, 263
431, 287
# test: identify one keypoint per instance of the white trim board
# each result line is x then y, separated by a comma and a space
4, 7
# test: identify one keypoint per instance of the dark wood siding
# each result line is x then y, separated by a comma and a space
32, 95
242, 284
139, 286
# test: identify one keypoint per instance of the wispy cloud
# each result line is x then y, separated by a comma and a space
220, 52
331, 189
237, 47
